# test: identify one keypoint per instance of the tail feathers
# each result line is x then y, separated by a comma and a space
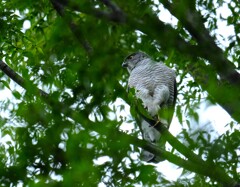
151, 135
149, 157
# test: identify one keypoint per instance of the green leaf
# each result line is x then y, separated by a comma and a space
5, 83
16, 94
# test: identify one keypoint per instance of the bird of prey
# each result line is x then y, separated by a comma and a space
155, 85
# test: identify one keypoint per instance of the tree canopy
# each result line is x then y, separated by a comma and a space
61, 60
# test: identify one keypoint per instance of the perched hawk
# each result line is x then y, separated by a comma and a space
155, 86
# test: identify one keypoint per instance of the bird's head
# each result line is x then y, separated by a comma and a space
132, 60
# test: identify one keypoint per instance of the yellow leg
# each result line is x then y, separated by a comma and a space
157, 122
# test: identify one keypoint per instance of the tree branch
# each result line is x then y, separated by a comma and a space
193, 22
59, 6
20, 81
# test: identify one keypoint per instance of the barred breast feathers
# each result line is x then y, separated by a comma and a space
150, 74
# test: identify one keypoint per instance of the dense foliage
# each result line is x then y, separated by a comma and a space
70, 134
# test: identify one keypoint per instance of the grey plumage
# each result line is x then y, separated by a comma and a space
155, 86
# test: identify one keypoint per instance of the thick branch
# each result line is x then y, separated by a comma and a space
193, 22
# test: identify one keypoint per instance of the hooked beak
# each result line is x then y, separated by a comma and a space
124, 65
